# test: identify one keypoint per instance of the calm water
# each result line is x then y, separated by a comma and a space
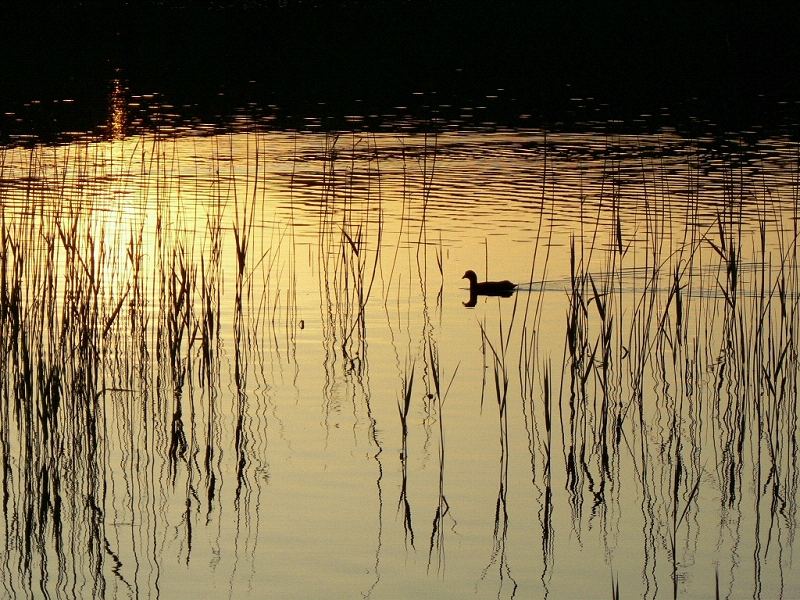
209, 336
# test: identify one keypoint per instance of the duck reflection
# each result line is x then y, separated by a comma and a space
504, 288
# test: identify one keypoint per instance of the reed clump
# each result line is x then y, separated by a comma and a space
110, 371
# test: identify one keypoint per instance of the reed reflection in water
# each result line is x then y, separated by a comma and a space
241, 362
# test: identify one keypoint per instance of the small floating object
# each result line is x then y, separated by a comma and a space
489, 288
503, 288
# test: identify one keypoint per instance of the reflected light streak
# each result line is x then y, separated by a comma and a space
117, 118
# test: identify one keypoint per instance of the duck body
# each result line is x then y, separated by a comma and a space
489, 288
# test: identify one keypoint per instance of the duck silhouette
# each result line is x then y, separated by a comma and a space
487, 288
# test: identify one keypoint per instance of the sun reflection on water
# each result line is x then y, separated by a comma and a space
117, 117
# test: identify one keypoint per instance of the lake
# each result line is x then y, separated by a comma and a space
240, 359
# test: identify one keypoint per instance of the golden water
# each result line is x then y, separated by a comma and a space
292, 482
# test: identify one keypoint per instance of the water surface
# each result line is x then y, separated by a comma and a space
209, 338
